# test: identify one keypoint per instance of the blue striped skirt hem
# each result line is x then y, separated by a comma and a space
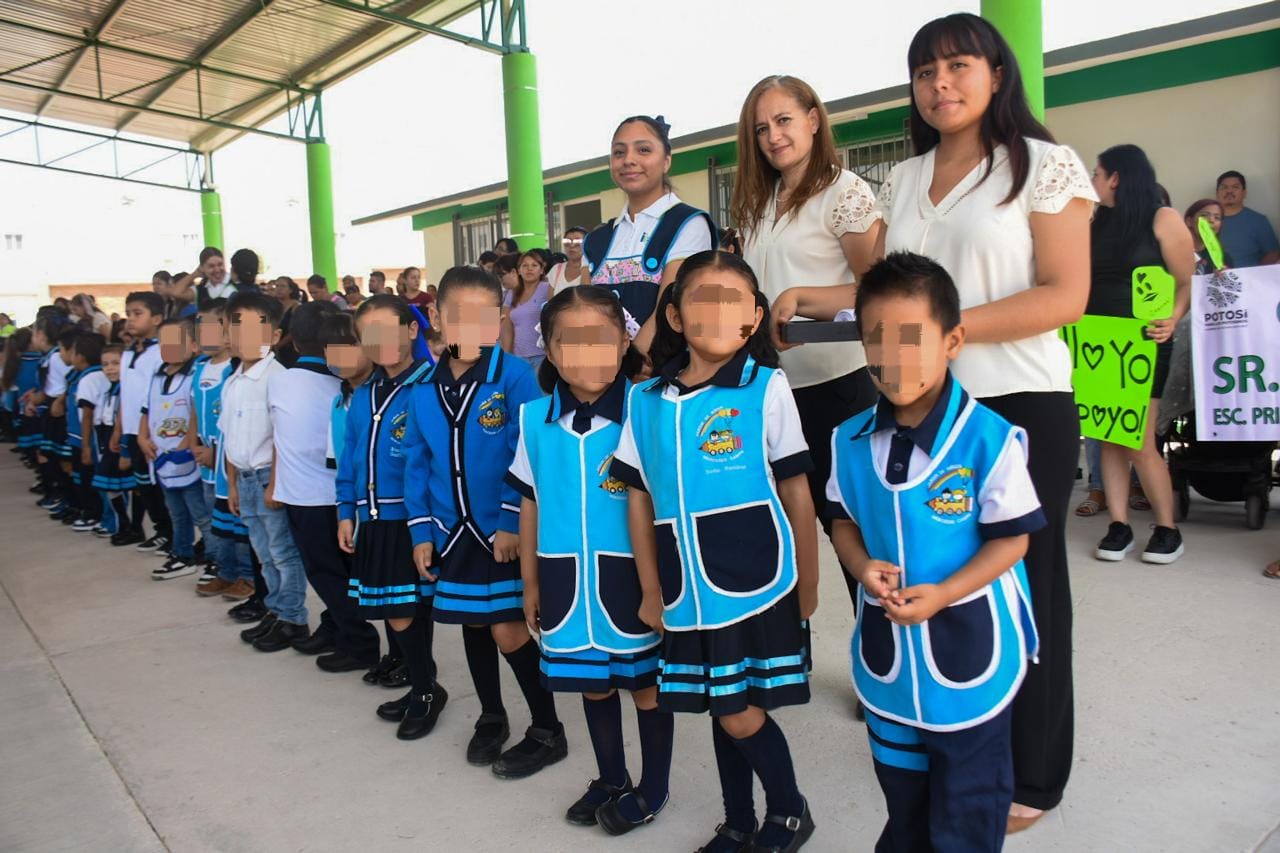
596, 671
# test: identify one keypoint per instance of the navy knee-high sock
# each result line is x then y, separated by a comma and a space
770, 758
416, 643
525, 663
482, 660
604, 724
657, 733
737, 780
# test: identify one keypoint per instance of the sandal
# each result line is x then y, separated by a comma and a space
1272, 571
1095, 503
1138, 499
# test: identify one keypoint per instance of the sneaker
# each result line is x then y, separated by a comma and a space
175, 568
68, 516
241, 590
208, 572
125, 537
155, 543
1164, 546
103, 532
210, 588
48, 503
85, 525
1117, 543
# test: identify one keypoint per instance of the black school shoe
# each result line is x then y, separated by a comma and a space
394, 711
340, 661
599, 793
540, 748
259, 630
380, 669
485, 747
802, 827
1164, 547
397, 676
281, 636
742, 840
125, 537
318, 643
614, 822
1117, 543
414, 726
249, 610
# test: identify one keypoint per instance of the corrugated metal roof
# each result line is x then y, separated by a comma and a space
131, 65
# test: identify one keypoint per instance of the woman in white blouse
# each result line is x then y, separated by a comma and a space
805, 220
1006, 211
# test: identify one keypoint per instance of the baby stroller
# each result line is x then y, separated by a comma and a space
1220, 471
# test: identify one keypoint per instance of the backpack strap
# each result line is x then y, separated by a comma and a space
595, 248
669, 226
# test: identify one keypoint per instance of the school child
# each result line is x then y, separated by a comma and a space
112, 477
712, 449
84, 394
581, 589
21, 373
56, 446
934, 505
225, 536
373, 521
166, 437
34, 403
248, 456
300, 399
464, 518
144, 312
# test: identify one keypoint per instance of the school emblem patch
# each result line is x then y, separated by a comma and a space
608, 482
172, 428
398, 424
493, 413
951, 495
720, 442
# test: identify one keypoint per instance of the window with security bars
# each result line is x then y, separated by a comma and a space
473, 236
874, 160
722, 179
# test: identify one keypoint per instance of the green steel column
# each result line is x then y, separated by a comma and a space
525, 195
1021, 23
211, 216
324, 242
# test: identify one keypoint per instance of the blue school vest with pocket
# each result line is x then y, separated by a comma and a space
74, 438
207, 402
589, 590
964, 665
725, 549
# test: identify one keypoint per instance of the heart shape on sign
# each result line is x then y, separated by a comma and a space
1093, 355
1099, 414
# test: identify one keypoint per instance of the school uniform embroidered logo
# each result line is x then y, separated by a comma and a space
951, 495
615, 487
721, 441
398, 424
172, 428
493, 413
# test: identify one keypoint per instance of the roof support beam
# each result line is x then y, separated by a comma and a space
108, 18
364, 8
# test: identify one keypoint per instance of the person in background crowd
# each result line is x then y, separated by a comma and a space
431, 292
86, 310
160, 280
486, 260
244, 276
523, 305
1132, 229
1211, 211
62, 304
352, 294
347, 282
570, 271
1246, 233
319, 290
506, 246
413, 293
377, 282
6, 326
730, 241
211, 279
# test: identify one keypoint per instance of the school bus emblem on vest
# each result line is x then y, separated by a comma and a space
721, 440
493, 413
609, 483
952, 494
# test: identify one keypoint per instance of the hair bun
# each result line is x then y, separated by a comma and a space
662, 123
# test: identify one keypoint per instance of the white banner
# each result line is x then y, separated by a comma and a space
1235, 345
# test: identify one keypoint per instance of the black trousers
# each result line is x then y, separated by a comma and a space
1043, 712
823, 408
148, 497
315, 530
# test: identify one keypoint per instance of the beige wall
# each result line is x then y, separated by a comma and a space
1191, 133
437, 245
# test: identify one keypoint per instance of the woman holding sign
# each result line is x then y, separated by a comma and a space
1130, 231
1005, 210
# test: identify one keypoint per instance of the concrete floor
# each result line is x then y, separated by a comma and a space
133, 719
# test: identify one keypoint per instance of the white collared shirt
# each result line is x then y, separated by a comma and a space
245, 421
136, 370
631, 235
300, 402
223, 289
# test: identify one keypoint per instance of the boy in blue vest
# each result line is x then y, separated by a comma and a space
932, 506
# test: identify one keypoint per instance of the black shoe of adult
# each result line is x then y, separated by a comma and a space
250, 610
614, 822
540, 748
63, 514
318, 643
281, 636
397, 676
416, 725
492, 732
741, 839
802, 827
259, 630
339, 662
599, 793
126, 537
395, 710
380, 669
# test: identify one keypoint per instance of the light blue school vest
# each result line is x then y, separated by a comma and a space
725, 549
589, 591
963, 666
74, 378
208, 406
169, 418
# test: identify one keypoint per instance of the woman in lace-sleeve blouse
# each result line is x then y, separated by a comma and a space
805, 221
1006, 211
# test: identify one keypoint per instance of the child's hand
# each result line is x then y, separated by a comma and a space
29, 410
204, 455
808, 600
148, 449
346, 536
915, 604
651, 611
126, 464
422, 556
531, 610
506, 546
59, 407
269, 496
233, 497
86, 455
880, 578
113, 444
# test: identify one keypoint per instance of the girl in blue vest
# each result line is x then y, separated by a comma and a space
933, 507
722, 525
83, 395
373, 521
463, 516
111, 475
637, 255
581, 588
21, 375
